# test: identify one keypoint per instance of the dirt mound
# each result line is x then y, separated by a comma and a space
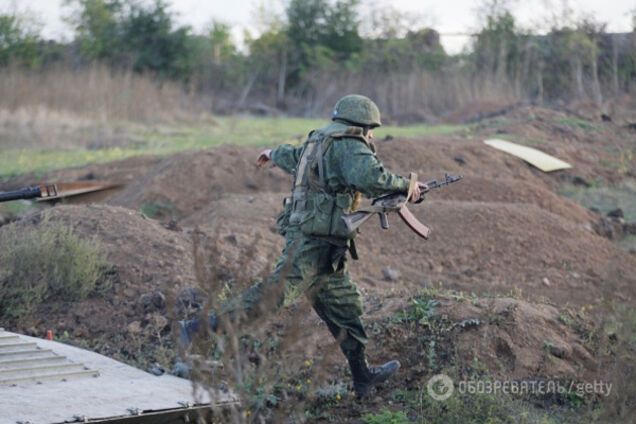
509, 338
517, 339
497, 247
501, 190
187, 182
475, 246
149, 262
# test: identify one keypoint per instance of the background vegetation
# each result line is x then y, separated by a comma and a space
302, 61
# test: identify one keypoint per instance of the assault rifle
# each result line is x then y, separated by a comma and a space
397, 203
57, 191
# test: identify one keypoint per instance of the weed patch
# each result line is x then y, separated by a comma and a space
40, 265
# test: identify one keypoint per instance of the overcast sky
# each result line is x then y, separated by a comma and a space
447, 16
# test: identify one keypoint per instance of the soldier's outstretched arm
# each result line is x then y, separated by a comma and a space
286, 156
361, 170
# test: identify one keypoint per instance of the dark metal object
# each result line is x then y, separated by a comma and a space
397, 203
45, 192
29, 193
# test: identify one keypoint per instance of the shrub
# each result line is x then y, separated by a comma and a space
45, 264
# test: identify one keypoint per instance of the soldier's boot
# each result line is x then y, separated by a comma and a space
365, 377
188, 329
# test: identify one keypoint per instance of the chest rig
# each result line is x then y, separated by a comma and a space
315, 206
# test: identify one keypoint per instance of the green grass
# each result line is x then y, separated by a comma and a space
163, 140
605, 198
574, 122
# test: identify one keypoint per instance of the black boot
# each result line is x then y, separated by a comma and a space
365, 377
188, 329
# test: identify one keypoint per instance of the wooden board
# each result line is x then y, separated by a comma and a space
534, 157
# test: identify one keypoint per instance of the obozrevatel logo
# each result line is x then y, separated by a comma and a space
440, 387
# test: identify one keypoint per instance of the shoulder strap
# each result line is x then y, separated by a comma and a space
356, 133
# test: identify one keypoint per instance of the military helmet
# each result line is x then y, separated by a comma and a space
357, 109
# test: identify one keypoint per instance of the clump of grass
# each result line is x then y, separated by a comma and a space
158, 210
386, 417
46, 264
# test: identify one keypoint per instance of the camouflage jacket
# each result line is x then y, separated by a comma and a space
349, 166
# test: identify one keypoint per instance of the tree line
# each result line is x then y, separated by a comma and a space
303, 60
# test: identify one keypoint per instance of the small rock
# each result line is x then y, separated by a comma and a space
159, 322
157, 370
390, 274
547, 282
153, 301
231, 238
575, 180
134, 327
558, 351
173, 225
191, 298
616, 213
460, 160
250, 183
181, 369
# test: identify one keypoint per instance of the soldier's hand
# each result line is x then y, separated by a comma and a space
418, 193
263, 158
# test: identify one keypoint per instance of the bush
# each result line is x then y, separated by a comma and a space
45, 264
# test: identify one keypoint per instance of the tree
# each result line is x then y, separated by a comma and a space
97, 26
151, 43
496, 45
18, 41
133, 34
320, 31
221, 40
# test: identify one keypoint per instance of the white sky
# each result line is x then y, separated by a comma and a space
446, 16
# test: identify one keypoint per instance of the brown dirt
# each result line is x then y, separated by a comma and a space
147, 259
189, 181
508, 337
504, 229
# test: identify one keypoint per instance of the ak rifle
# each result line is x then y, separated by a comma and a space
397, 202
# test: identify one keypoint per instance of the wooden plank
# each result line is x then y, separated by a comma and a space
534, 157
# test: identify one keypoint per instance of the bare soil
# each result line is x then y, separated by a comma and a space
504, 234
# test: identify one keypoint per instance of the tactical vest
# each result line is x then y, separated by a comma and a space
314, 207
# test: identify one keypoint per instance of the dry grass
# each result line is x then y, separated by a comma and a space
409, 96
95, 93
91, 108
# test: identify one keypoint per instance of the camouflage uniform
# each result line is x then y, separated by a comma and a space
316, 265
341, 164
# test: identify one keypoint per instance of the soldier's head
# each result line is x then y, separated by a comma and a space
357, 110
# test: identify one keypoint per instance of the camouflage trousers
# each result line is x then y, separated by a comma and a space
317, 269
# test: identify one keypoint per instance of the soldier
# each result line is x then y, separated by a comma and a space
334, 166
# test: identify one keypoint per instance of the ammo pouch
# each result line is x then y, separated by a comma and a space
323, 215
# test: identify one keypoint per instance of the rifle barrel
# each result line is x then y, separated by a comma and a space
25, 193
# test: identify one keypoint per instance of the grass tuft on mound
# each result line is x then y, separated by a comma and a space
50, 264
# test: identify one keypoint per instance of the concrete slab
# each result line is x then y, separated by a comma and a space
109, 389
